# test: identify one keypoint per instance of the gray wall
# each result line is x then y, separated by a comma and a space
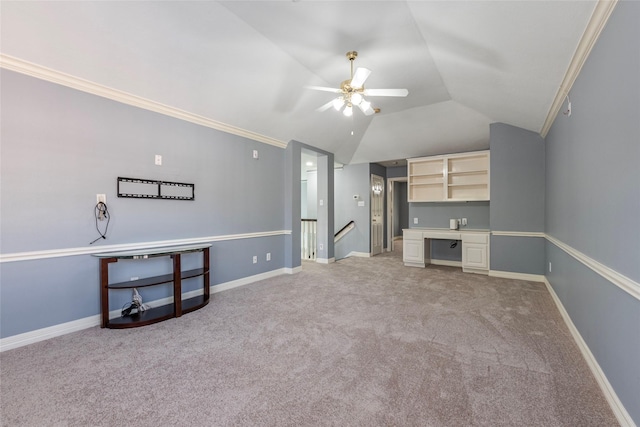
60, 147
517, 198
437, 215
400, 208
593, 201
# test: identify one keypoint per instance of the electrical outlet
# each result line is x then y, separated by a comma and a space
255, 154
415, 220
549, 266
268, 256
101, 198
321, 246
464, 221
255, 259
158, 160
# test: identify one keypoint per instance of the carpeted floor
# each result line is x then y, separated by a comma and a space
362, 342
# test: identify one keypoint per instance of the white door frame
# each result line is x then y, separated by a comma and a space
390, 213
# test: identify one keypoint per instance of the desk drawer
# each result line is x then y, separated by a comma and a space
412, 235
475, 238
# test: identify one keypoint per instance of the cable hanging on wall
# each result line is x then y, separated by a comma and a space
101, 213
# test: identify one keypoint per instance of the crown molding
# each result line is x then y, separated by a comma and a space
599, 18
43, 73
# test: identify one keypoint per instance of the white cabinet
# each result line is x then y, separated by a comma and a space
453, 177
475, 253
413, 248
475, 247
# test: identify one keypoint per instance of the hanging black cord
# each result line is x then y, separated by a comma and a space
101, 211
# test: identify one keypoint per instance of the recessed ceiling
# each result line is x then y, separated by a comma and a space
466, 64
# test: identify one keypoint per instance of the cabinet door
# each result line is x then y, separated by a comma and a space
474, 255
413, 250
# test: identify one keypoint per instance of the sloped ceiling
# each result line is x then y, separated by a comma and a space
466, 64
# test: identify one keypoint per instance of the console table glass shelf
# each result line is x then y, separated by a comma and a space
156, 314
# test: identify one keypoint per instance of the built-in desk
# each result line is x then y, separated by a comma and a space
475, 247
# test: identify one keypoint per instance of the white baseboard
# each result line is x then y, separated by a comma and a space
325, 260
358, 254
446, 262
293, 270
32, 337
518, 276
612, 398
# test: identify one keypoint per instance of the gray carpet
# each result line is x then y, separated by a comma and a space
362, 342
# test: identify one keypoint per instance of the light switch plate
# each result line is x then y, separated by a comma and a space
415, 220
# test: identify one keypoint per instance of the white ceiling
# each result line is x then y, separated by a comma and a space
466, 64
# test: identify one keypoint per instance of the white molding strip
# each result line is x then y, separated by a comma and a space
518, 233
623, 282
358, 254
612, 398
517, 276
294, 270
32, 337
40, 72
325, 260
15, 341
599, 18
446, 262
56, 253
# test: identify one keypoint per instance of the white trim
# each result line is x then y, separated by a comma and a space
446, 262
518, 233
56, 253
599, 18
38, 71
325, 260
518, 276
20, 340
358, 254
609, 393
294, 270
623, 282
31, 337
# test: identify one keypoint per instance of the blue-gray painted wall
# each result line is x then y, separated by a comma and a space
60, 147
517, 198
593, 201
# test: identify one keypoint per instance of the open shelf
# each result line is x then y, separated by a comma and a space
454, 177
156, 314
156, 280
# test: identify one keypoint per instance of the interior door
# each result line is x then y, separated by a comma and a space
377, 214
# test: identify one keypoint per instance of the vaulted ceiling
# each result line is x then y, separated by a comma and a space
466, 64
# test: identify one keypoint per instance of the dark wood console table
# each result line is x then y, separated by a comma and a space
156, 314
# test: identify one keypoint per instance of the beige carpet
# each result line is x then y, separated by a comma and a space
362, 342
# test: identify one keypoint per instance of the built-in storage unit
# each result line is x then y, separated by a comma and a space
452, 177
475, 252
475, 247
177, 307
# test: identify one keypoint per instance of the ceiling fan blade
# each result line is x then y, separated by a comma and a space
325, 107
324, 89
386, 92
366, 108
359, 77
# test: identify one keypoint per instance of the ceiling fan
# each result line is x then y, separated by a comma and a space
352, 92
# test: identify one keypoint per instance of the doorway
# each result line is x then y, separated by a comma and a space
397, 212
377, 214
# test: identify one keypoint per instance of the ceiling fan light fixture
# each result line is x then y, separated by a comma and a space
348, 110
356, 99
338, 103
